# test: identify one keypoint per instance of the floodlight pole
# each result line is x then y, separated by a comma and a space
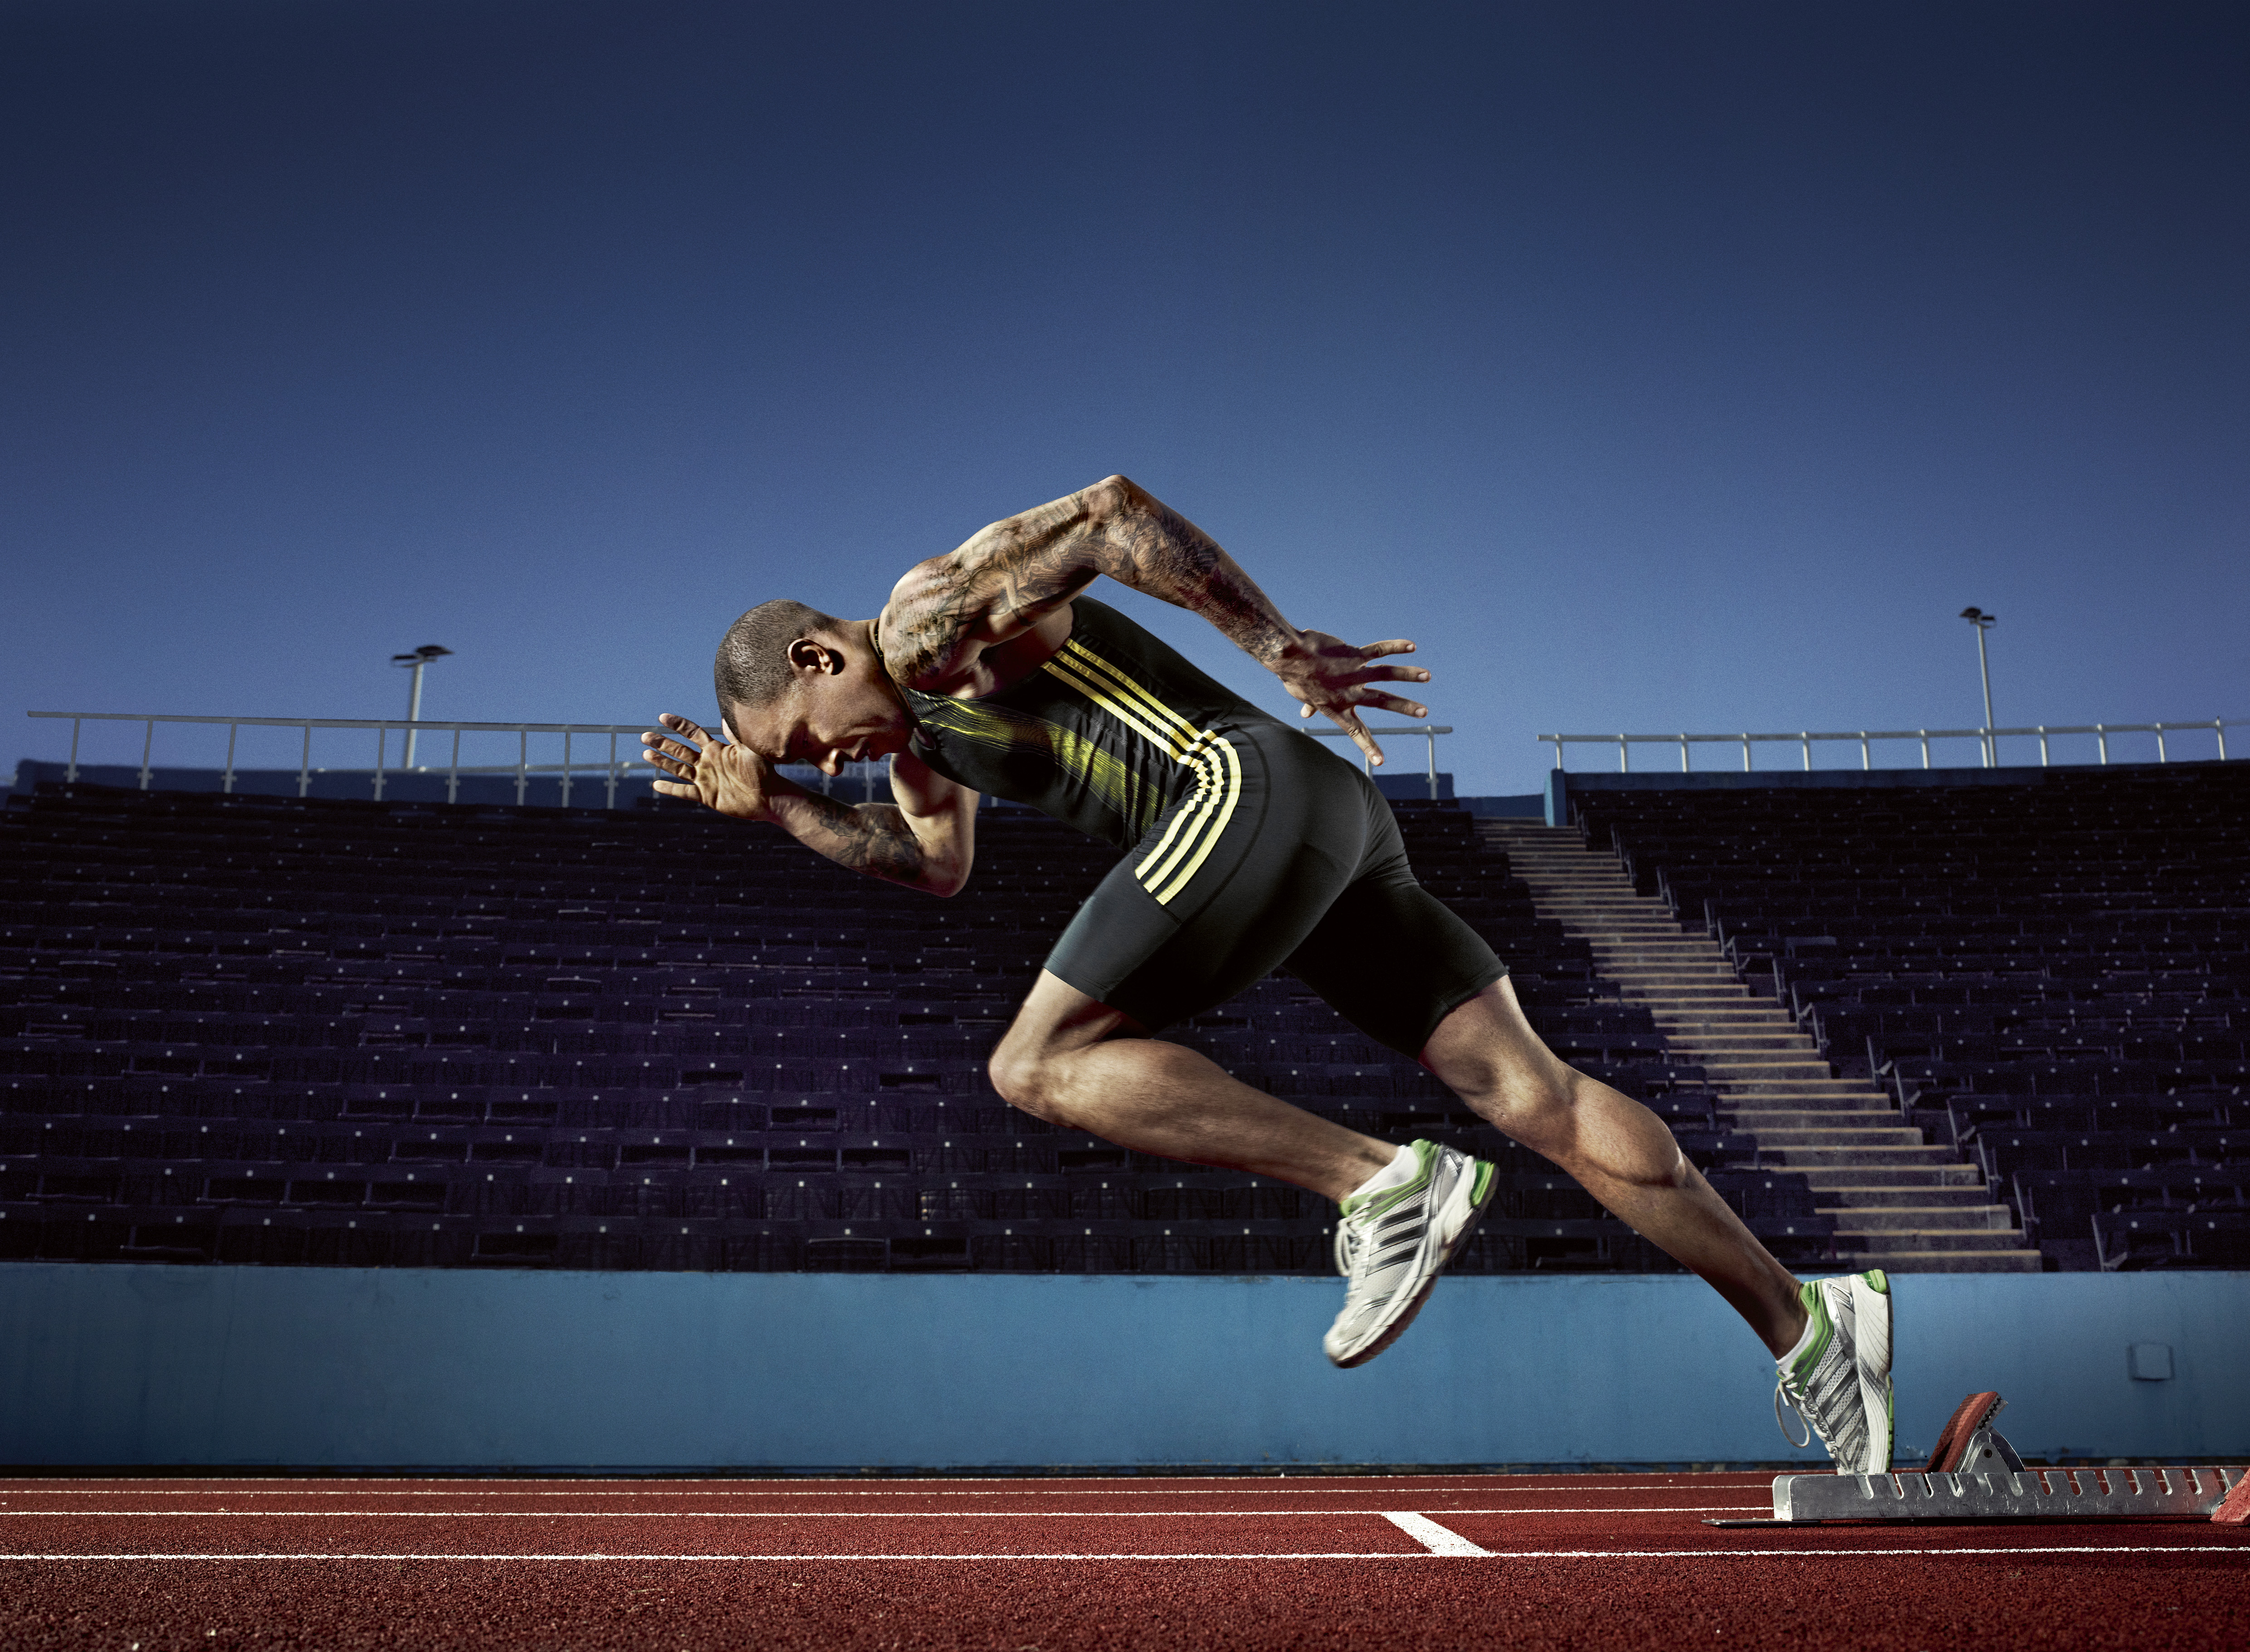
414, 662
1985, 622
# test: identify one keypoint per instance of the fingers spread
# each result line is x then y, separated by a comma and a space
1395, 645
1392, 702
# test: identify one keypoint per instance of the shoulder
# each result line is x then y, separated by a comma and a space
925, 631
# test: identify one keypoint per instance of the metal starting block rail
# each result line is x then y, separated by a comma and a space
1976, 1474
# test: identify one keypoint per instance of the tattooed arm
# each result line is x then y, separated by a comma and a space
1016, 573
925, 838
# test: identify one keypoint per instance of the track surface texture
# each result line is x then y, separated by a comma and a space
1435, 1561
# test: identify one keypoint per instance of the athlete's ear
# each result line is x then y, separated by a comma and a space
807, 654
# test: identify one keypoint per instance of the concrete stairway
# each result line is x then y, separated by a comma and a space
1899, 1202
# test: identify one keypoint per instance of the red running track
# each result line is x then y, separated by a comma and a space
1050, 1566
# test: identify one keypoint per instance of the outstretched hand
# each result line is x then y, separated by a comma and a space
1333, 677
720, 774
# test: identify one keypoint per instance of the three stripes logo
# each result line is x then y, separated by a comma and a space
1199, 823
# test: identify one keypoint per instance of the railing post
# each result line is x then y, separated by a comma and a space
1746, 753
566, 768
381, 734
1864, 763
70, 774
1924, 733
1683, 754
226, 783
305, 768
522, 763
1433, 770
2219, 727
1806, 737
1625, 763
610, 786
2161, 757
453, 773
148, 745
2042, 735
2102, 735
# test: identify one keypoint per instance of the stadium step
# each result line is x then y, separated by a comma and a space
1873, 1183
1868, 1201
1897, 1200
1901, 1219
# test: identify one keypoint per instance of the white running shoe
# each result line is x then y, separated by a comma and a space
1840, 1385
1391, 1246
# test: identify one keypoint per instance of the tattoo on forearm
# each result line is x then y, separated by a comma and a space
874, 838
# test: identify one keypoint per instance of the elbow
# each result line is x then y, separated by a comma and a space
945, 882
1110, 498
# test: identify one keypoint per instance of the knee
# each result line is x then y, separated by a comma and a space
1024, 1078
1533, 1104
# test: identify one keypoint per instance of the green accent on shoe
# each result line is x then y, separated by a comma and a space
1824, 1332
1878, 1280
1481, 1189
1425, 1159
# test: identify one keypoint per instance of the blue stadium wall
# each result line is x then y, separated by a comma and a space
139, 1365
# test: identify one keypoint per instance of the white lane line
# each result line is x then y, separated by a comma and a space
806, 1514
1432, 1536
1419, 1554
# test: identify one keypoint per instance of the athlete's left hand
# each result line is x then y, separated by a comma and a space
1333, 677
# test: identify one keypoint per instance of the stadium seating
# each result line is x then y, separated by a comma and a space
254, 1030
2052, 974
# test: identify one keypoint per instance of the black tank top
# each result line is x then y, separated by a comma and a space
1105, 736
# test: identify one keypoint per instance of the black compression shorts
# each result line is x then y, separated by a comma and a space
1306, 871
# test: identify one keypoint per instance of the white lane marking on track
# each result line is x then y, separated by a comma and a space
1418, 1554
801, 1514
1432, 1536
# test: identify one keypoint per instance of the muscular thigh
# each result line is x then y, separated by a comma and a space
1393, 959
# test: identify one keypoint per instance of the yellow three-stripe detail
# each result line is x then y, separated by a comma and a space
1198, 826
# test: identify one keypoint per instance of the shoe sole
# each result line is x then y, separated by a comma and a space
1870, 1308
1482, 1186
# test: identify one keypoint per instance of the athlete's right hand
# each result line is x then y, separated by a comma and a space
720, 774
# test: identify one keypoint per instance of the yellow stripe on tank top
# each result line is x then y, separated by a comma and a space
1218, 771
1192, 756
1217, 808
1132, 688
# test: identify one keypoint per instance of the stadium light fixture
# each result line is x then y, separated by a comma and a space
1985, 622
414, 662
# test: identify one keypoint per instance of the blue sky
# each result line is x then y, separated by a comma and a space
1654, 366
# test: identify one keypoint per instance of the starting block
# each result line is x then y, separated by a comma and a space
1976, 1474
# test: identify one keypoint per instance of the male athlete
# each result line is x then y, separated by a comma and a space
1247, 846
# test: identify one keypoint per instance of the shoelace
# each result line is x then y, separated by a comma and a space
1348, 1241
1781, 1389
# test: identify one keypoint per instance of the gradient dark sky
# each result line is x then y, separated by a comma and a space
1657, 366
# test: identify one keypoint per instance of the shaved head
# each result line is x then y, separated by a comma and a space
753, 669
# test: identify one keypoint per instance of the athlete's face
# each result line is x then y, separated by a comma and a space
842, 710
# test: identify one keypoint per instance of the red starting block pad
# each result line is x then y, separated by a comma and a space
1976, 1474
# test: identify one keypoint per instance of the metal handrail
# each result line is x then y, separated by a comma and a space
2101, 730
612, 768
1432, 730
